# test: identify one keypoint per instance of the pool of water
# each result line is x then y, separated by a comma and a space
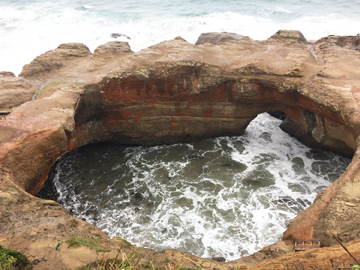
232, 195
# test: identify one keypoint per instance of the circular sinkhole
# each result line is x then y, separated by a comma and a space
232, 195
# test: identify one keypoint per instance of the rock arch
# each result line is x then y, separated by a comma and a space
176, 91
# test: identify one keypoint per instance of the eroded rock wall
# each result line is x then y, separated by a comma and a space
178, 92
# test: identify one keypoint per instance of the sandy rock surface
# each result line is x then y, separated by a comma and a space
14, 91
178, 92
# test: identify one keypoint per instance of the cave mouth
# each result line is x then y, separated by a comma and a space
232, 195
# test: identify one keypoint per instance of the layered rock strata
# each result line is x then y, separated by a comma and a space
179, 92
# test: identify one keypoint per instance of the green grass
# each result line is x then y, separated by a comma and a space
123, 240
47, 90
121, 262
131, 260
86, 242
13, 260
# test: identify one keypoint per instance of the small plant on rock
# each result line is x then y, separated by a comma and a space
13, 260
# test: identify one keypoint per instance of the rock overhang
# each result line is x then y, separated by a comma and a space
176, 91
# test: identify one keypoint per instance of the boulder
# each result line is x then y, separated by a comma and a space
56, 59
348, 42
289, 36
103, 54
218, 38
14, 91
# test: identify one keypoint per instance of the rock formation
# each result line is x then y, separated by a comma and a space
14, 91
178, 92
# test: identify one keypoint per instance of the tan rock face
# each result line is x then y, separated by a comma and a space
56, 59
105, 53
178, 92
14, 91
321, 258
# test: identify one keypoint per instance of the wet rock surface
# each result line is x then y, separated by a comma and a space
48, 191
178, 92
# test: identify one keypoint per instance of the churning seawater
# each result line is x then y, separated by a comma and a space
229, 194
232, 195
28, 28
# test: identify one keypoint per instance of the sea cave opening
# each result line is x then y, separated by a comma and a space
231, 195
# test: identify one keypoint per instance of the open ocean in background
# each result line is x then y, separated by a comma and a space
28, 28
231, 195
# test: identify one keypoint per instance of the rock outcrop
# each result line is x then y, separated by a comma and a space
14, 91
216, 38
179, 92
289, 36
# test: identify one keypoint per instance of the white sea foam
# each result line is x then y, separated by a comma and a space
228, 194
31, 29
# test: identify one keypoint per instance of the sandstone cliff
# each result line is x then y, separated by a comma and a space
178, 92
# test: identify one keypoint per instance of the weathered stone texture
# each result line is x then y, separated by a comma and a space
177, 92
14, 91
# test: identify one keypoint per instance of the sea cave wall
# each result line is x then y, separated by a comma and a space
179, 92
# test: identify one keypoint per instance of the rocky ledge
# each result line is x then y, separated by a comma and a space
172, 92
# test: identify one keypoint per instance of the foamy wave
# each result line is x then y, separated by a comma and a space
228, 194
43, 26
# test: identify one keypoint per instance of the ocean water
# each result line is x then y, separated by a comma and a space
31, 27
231, 195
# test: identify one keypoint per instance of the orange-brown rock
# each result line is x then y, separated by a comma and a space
320, 258
178, 92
